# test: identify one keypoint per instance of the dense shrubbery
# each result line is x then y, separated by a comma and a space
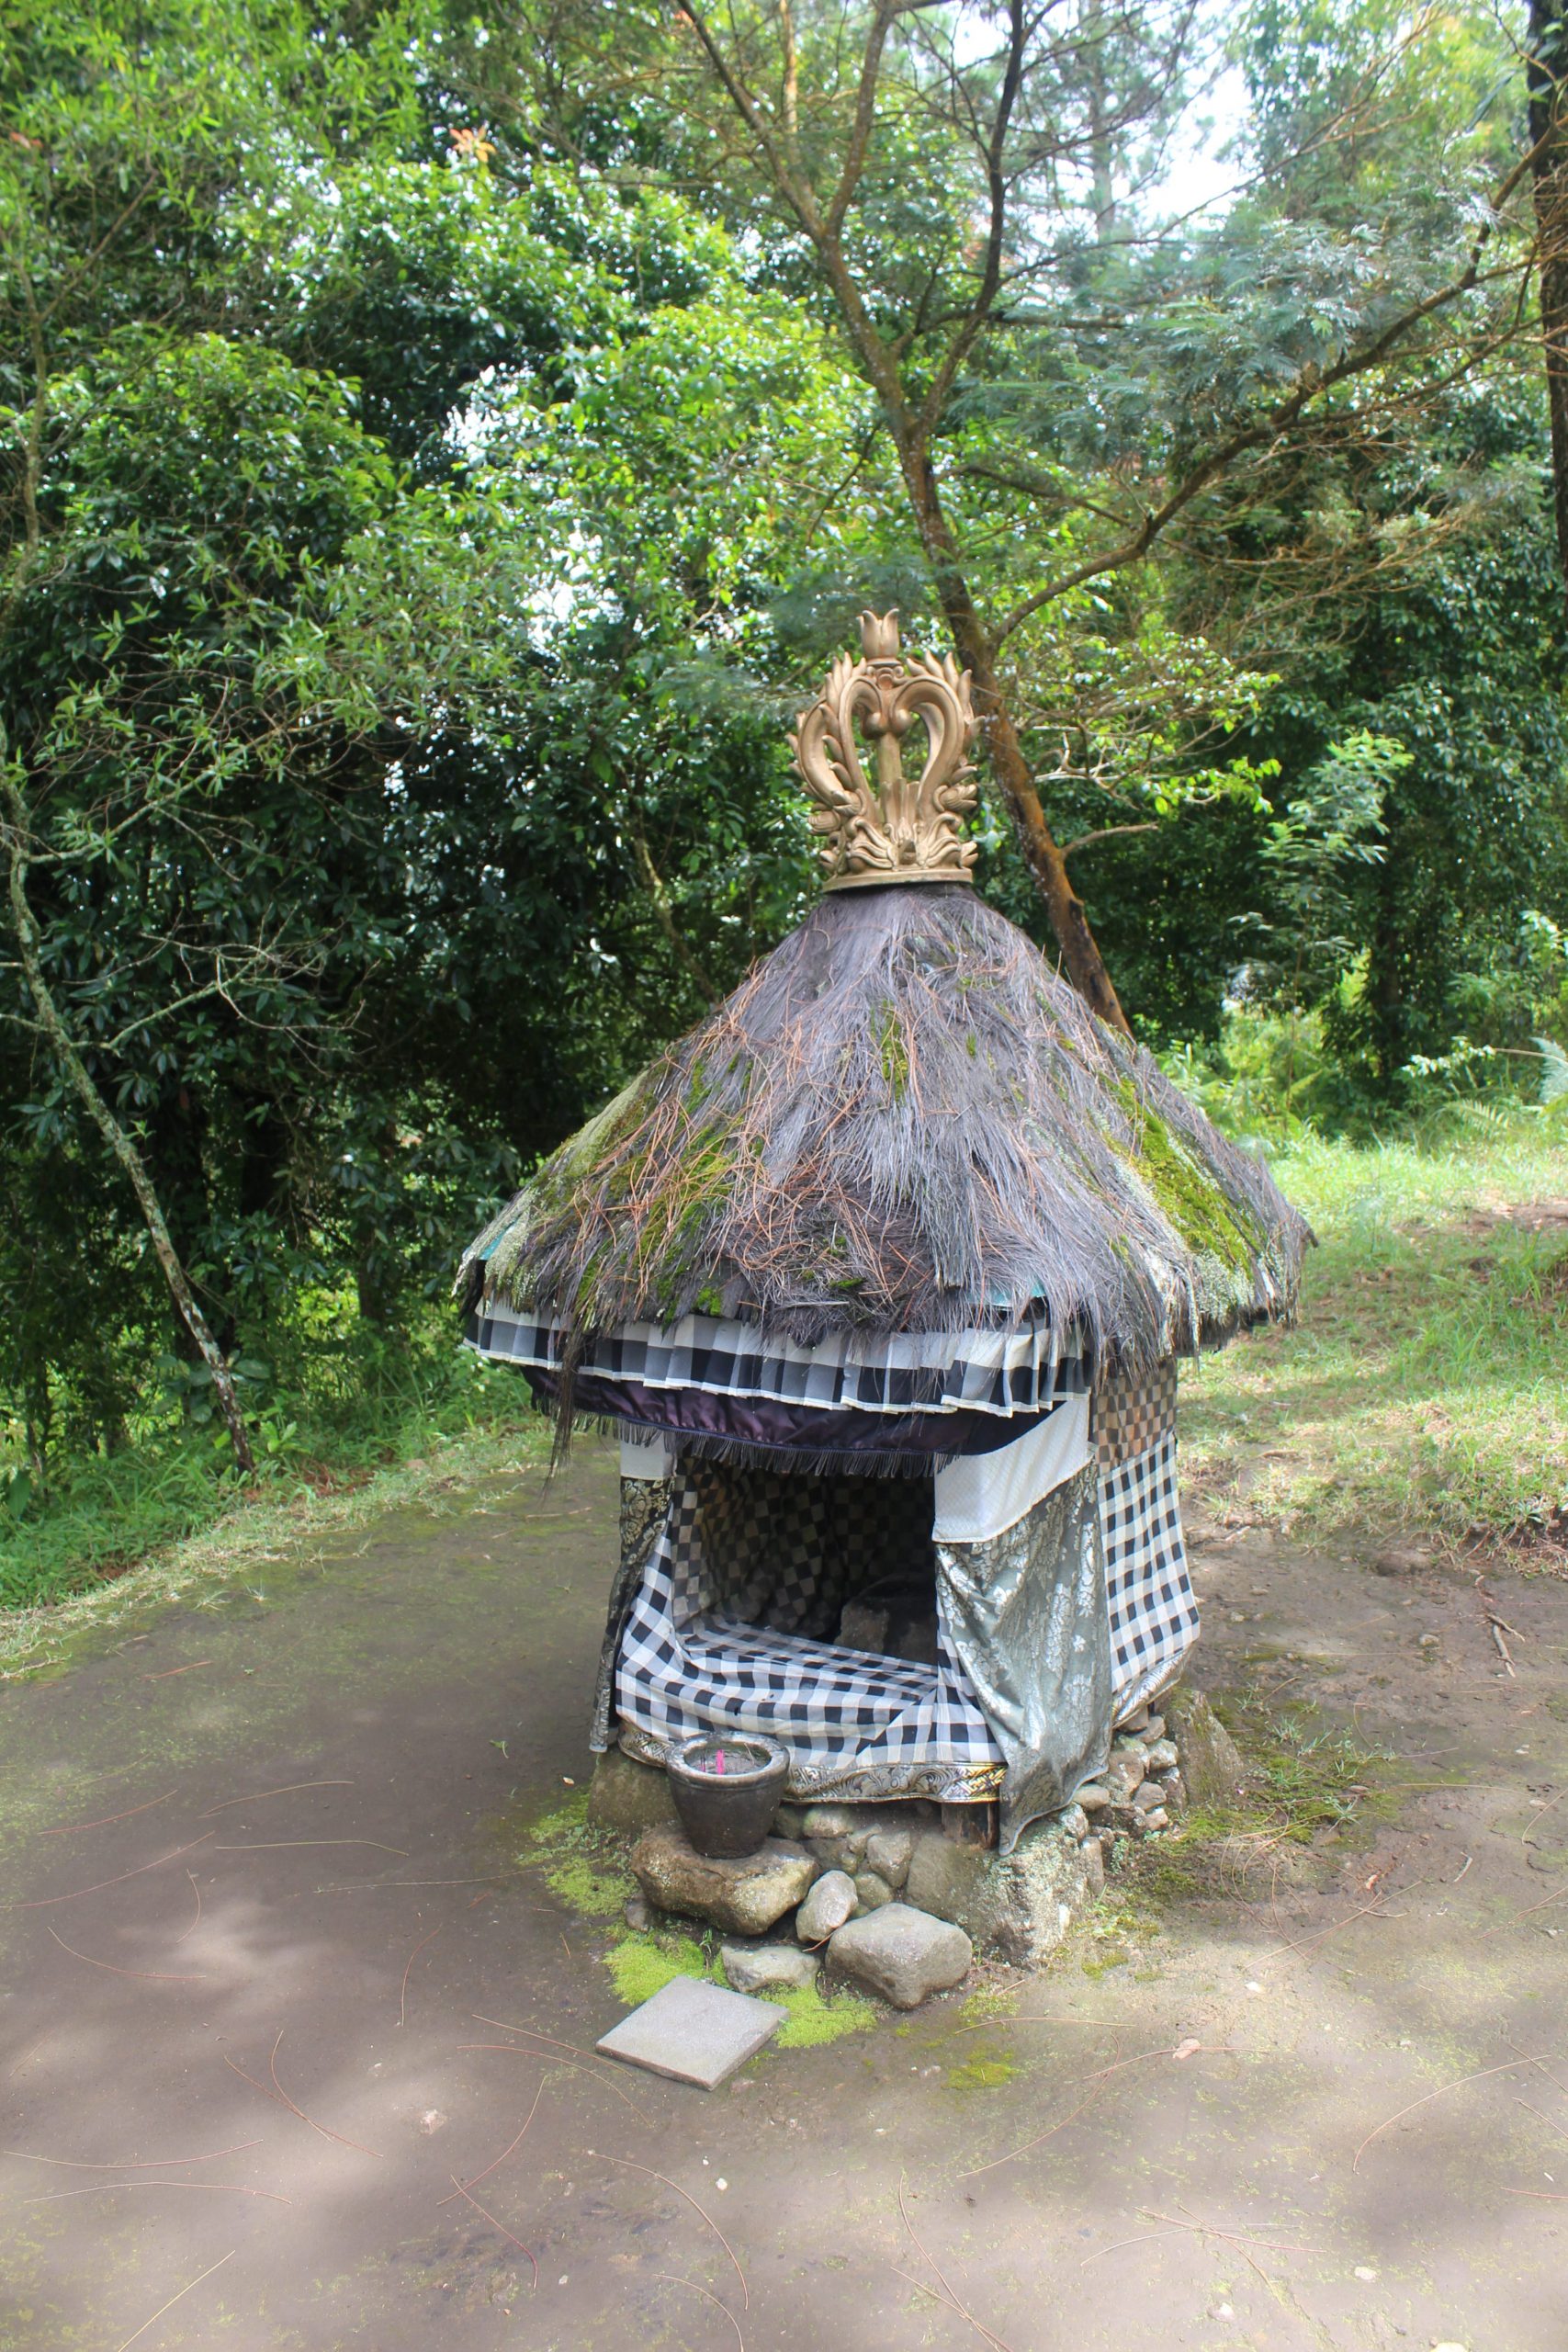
431, 472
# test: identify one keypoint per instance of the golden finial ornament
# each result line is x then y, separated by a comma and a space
896, 829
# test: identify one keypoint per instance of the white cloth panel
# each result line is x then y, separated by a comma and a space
981, 1495
647, 1458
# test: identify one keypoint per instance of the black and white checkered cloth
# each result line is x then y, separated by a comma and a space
926, 1371
1153, 1612
1132, 1411
712, 1648
685, 1668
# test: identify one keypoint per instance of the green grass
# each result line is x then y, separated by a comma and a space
104, 1515
584, 1868
244, 1534
641, 1964
1424, 1392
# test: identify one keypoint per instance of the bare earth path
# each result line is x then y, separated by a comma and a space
259, 1890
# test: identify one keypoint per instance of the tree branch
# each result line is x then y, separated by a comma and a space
659, 891
864, 117
1107, 833
1279, 420
963, 343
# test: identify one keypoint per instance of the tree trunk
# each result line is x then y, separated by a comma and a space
1547, 72
80, 1080
1041, 851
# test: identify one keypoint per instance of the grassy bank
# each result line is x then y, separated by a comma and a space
1424, 1392
168, 1510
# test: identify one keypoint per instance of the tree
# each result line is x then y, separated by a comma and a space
1548, 121
384, 792
1059, 406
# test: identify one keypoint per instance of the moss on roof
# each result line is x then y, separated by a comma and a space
903, 1119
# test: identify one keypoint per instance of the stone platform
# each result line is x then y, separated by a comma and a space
848, 1861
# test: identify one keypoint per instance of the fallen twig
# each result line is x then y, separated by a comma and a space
1478, 2077
952, 2301
1144, 2237
403, 1994
712, 2298
71, 1827
151, 1975
497, 2225
1540, 1813
1531, 1908
1367, 1910
474, 2179
278, 2094
168, 1671
234, 2188
975, 2172
197, 1921
133, 2164
169, 2306
1502, 1647
276, 1844
43, 1901
1541, 2117
592, 2072
632, 2166
1101, 2074
1243, 2240
290, 1788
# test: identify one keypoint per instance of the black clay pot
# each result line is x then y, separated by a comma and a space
728, 1813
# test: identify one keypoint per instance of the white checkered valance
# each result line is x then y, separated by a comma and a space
1005, 1372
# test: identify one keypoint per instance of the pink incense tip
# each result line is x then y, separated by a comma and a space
718, 1762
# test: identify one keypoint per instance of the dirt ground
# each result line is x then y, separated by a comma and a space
264, 1918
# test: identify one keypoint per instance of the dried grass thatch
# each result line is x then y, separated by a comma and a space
902, 1120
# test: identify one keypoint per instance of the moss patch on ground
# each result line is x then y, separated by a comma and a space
813, 2022
642, 1964
582, 1866
986, 2072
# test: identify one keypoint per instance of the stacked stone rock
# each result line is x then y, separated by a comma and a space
854, 1922
816, 1890
1142, 1790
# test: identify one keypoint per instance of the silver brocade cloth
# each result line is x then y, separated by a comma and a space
1026, 1613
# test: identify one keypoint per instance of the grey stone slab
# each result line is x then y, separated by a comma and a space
693, 2032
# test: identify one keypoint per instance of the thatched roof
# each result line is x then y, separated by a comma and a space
903, 1119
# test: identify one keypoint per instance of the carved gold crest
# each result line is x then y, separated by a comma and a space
899, 830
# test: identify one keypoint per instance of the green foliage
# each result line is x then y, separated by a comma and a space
641, 1965
429, 473
90, 1514
1421, 1393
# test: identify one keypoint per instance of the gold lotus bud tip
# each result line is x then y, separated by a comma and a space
879, 636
